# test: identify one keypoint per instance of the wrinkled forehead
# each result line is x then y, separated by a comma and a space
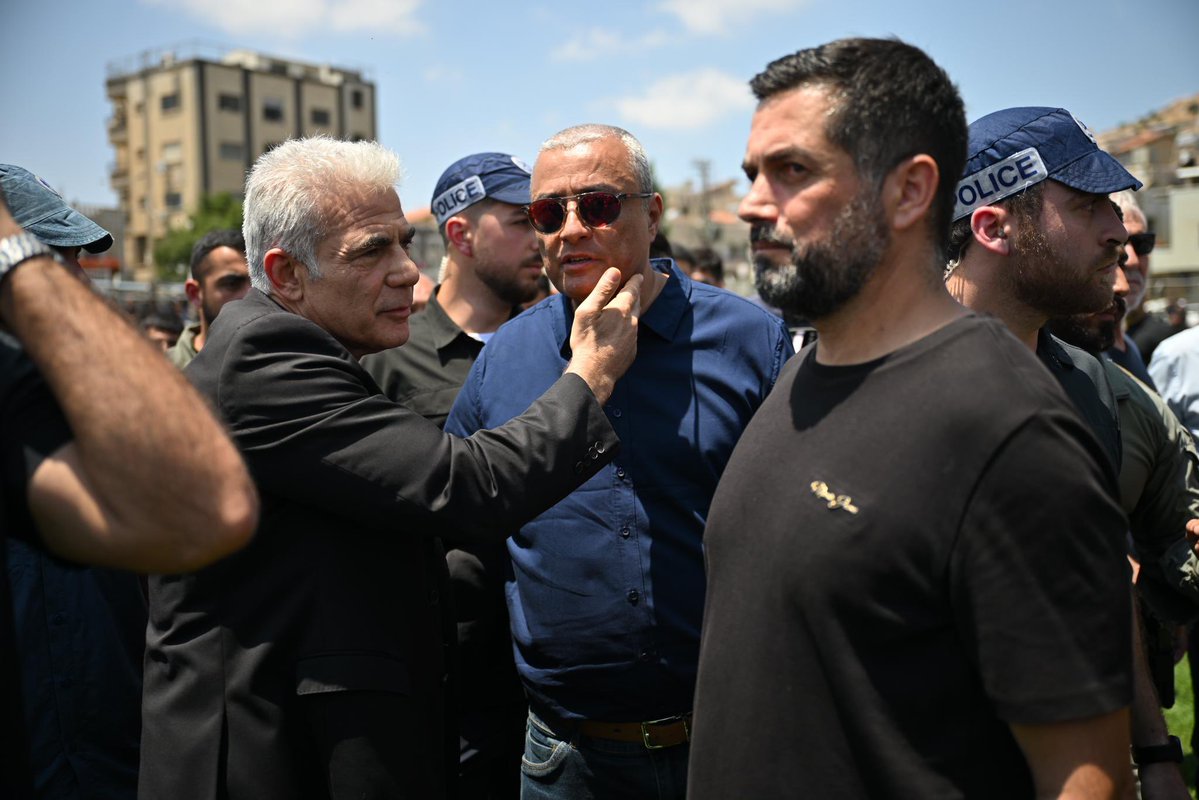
598, 164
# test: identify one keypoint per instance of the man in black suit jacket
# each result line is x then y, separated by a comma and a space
312, 664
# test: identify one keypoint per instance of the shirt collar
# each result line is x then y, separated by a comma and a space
663, 317
1051, 352
444, 330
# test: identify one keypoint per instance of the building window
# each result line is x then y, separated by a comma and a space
320, 116
172, 152
356, 98
173, 199
272, 109
233, 151
229, 102
170, 102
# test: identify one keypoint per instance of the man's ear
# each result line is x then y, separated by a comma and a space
992, 227
909, 191
459, 236
284, 274
655, 214
191, 287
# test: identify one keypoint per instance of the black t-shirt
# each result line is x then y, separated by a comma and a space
903, 557
31, 428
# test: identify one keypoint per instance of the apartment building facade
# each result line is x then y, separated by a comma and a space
186, 124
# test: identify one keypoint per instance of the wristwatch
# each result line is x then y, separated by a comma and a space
1158, 753
21, 247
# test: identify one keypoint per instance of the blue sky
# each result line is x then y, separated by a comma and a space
460, 77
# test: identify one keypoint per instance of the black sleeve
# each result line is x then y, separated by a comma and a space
315, 431
32, 427
1040, 581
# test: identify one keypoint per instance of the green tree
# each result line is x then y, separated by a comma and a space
172, 253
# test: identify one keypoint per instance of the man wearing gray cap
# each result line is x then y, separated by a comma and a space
97, 468
41, 211
491, 266
76, 629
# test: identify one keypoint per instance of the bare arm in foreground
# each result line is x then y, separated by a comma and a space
1084, 759
150, 481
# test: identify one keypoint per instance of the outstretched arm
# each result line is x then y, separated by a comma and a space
150, 481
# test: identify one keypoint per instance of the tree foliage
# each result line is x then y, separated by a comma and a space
172, 253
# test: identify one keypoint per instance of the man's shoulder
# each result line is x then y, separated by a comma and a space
1184, 344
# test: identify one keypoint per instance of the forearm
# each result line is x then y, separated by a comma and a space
150, 474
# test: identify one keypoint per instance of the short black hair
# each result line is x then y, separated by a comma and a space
891, 102
221, 237
705, 259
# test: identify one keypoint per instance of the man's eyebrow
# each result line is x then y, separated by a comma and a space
371, 242
598, 187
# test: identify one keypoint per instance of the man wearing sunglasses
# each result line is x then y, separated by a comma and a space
607, 587
1124, 350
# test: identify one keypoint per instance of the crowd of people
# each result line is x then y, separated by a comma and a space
576, 522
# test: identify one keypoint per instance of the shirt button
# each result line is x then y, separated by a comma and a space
59, 618
620, 472
616, 413
634, 596
624, 533
645, 655
578, 466
434, 597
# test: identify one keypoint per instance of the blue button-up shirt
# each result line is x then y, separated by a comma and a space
606, 594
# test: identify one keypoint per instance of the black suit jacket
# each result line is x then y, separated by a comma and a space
339, 591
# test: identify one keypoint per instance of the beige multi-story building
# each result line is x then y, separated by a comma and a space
186, 124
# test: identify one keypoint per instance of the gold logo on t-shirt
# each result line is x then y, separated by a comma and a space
843, 501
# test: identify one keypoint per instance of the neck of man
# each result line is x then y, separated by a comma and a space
198, 342
469, 302
975, 283
902, 302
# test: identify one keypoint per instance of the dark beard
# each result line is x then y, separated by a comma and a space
1041, 277
506, 286
826, 274
1092, 335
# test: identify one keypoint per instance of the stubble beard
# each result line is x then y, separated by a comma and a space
824, 275
506, 282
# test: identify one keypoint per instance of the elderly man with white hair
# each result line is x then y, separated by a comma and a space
313, 664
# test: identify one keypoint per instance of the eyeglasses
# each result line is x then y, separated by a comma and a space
1142, 243
595, 210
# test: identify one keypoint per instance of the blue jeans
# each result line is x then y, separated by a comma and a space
598, 769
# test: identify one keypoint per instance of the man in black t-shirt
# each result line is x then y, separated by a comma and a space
916, 579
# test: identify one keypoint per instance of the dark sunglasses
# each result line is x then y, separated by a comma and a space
595, 209
1142, 243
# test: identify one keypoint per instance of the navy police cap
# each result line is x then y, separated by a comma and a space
1016, 148
468, 180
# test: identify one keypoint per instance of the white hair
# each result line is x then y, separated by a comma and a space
285, 202
593, 132
1127, 202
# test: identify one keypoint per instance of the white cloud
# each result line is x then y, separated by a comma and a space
598, 42
717, 16
688, 100
297, 18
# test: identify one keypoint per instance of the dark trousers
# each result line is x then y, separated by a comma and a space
376, 746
